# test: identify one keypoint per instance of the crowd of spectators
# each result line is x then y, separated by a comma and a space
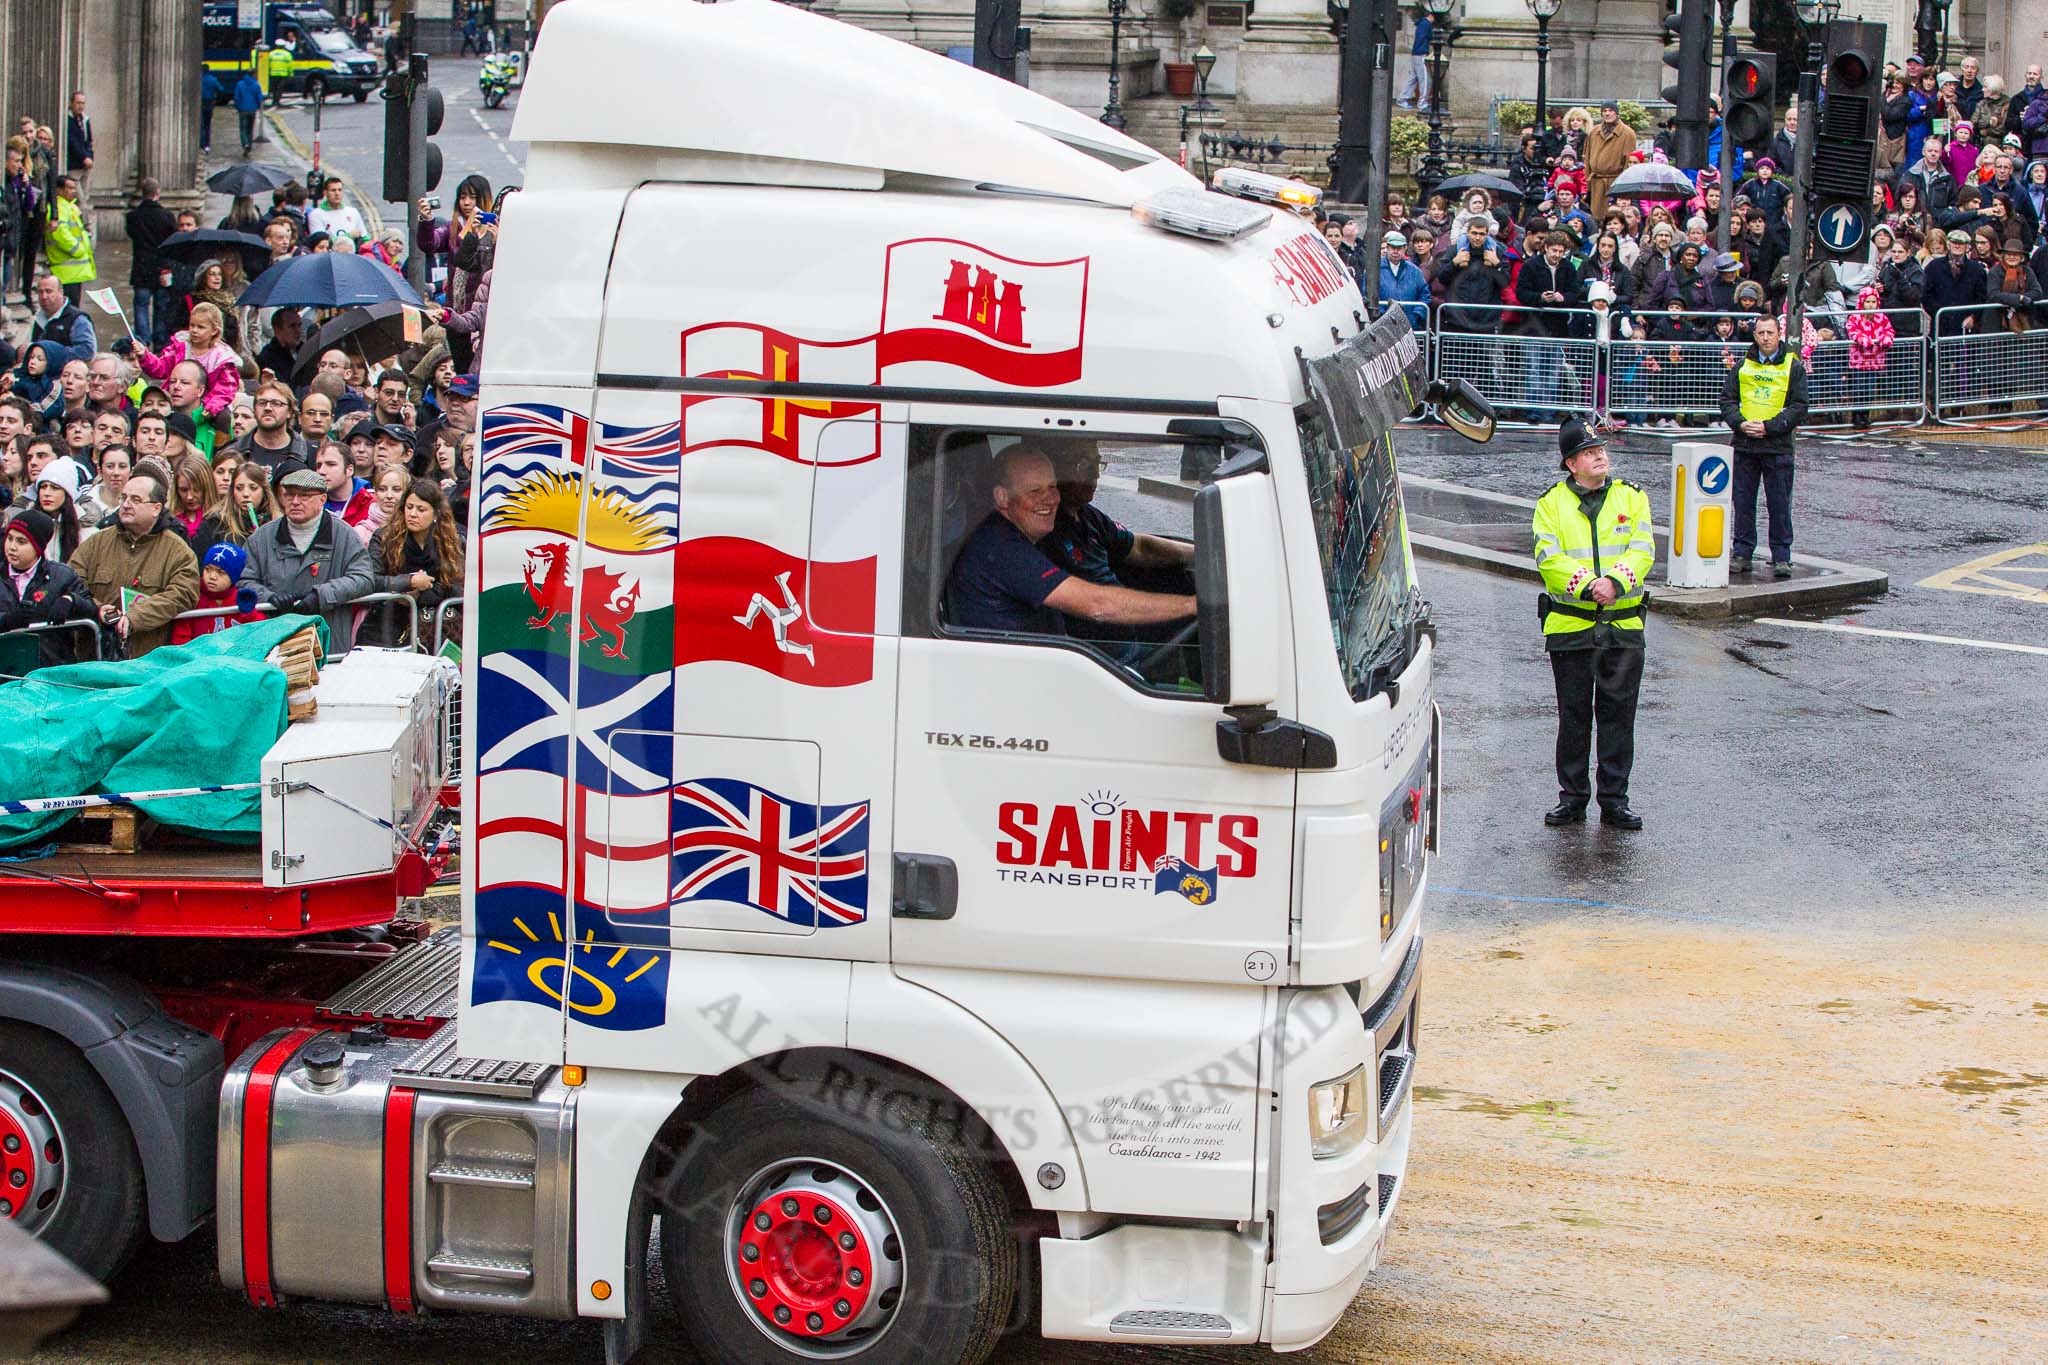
212, 462
1959, 247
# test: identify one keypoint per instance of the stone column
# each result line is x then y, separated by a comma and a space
1070, 52
168, 145
1289, 57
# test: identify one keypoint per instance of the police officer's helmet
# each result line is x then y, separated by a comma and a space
1573, 436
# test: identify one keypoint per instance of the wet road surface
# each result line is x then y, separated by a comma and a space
1761, 1082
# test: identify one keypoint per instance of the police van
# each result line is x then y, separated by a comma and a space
325, 60
908, 898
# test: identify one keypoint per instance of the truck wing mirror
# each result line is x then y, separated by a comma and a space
1237, 560
1463, 407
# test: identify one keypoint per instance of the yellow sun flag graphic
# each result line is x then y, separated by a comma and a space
548, 502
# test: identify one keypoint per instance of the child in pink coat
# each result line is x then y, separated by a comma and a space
201, 343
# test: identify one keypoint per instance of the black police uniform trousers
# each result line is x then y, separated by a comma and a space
1597, 684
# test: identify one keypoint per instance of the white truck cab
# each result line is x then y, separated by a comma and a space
923, 977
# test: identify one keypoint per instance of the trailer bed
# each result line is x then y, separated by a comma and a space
182, 888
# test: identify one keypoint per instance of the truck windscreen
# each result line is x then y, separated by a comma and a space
1357, 393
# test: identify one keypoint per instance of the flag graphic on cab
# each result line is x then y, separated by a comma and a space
813, 431
751, 604
952, 303
1177, 876
522, 954
802, 862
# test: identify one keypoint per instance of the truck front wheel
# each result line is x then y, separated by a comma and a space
68, 1169
844, 1219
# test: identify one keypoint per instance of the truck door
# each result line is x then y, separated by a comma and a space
1060, 803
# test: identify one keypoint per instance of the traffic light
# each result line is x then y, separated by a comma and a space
1749, 90
1693, 27
412, 114
1845, 144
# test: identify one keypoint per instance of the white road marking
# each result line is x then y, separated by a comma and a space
1902, 635
496, 141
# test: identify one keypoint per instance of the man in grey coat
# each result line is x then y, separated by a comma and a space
309, 560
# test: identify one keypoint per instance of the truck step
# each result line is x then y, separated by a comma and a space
418, 984
506, 1175
434, 1065
1171, 1322
476, 1266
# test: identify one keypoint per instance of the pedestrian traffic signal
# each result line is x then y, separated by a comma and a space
1693, 27
1749, 92
413, 111
1845, 145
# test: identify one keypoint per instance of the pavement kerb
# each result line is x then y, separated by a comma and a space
292, 143
1839, 580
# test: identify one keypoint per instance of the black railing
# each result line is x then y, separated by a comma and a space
1239, 148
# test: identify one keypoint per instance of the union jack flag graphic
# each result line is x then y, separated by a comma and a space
534, 429
805, 863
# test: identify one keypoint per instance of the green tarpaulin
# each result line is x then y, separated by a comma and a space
199, 714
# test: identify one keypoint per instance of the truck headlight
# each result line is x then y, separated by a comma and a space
1337, 1114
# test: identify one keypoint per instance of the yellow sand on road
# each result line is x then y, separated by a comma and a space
1651, 1141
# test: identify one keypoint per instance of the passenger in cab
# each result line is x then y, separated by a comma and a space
1089, 543
1003, 579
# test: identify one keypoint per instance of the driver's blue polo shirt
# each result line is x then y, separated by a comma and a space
1000, 582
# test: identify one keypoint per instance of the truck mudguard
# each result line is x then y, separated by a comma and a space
164, 1074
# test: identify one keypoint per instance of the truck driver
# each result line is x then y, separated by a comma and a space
1002, 581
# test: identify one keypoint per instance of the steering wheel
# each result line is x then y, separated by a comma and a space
1161, 653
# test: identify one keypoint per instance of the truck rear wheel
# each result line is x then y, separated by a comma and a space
68, 1169
791, 1231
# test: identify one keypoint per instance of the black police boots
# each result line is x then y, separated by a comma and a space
1621, 817
1566, 813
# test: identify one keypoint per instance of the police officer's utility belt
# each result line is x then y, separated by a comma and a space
1546, 604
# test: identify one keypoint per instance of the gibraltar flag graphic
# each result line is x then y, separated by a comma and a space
751, 604
952, 303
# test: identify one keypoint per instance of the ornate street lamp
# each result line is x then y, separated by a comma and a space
1433, 166
1113, 112
1545, 11
1205, 62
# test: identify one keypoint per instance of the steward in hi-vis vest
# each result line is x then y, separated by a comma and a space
1594, 549
1763, 401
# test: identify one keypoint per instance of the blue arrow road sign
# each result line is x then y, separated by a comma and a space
1841, 227
1713, 475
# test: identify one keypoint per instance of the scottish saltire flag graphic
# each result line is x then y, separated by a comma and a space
799, 861
524, 721
1182, 878
522, 954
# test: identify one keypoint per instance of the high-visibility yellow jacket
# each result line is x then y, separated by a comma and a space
66, 244
1582, 537
282, 63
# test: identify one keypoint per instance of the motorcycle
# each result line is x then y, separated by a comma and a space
496, 77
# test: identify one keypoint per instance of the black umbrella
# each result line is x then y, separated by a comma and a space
1478, 180
250, 178
328, 279
205, 244
375, 332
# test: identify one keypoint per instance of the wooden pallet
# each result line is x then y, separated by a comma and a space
107, 829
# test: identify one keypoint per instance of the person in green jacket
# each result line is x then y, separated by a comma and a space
67, 246
1594, 549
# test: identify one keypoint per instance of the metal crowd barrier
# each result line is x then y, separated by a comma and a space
441, 614
1519, 374
357, 603
1526, 376
90, 629
1991, 372
1892, 394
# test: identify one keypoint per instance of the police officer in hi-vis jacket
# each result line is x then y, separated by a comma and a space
1763, 401
1594, 550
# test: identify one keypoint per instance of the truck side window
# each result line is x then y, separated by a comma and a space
1046, 539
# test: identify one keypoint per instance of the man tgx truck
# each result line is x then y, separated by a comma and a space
894, 979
